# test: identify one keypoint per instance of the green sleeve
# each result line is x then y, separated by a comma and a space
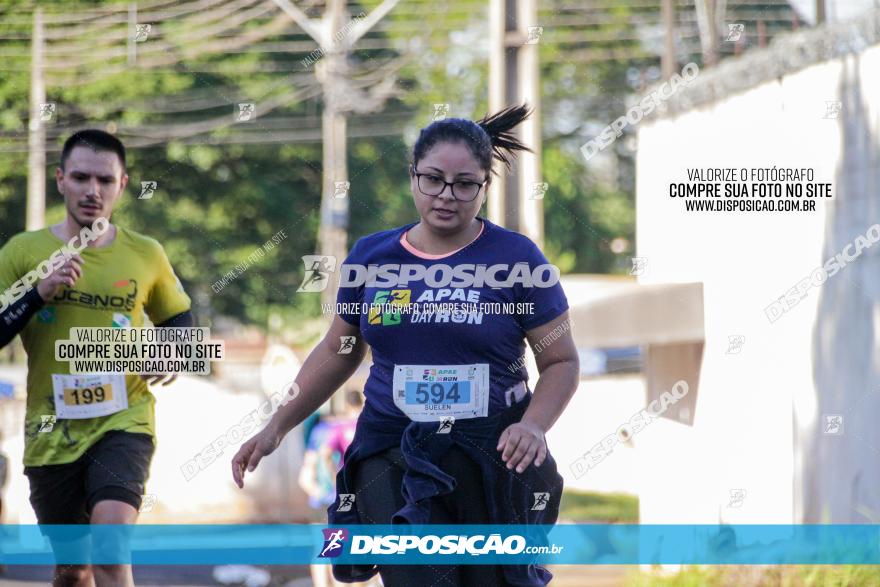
10, 269
167, 297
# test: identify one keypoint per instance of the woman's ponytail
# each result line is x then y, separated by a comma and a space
499, 126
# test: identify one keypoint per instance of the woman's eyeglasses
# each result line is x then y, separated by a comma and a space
433, 185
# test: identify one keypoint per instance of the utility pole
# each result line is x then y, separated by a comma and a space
820, 12
498, 27
36, 192
516, 202
706, 15
667, 62
531, 185
131, 39
335, 34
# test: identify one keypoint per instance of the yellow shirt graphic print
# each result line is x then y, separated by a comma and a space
120, 284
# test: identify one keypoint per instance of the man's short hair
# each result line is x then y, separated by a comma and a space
97, 140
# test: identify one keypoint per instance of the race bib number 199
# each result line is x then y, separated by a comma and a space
89, 396
428, 393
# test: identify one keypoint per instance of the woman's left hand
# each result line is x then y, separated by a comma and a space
523, 444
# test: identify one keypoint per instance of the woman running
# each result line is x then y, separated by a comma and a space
450, 432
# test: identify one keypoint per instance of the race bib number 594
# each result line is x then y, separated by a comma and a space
428, 393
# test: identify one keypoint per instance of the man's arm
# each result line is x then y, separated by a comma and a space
15, 317
182, 320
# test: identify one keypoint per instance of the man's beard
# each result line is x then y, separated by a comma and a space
83, 222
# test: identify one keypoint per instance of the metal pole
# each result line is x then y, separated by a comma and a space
36, 194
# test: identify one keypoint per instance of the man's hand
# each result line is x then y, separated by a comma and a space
67, 275
522, 444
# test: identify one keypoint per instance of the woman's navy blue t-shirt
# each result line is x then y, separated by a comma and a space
501, 285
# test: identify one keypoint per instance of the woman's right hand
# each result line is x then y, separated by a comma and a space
248, 456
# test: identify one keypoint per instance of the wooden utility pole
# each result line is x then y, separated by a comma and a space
517, 201
36, 193
668, 61
131, 39
820, 12
706, 21
531, 185
498, 26
335, 34
331, 72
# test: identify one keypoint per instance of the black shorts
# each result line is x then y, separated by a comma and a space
116, 467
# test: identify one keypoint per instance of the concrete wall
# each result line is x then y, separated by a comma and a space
758, 416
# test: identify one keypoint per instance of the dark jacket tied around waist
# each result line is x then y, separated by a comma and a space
509, 495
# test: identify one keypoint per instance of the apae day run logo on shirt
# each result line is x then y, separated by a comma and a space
334, 540
382, 310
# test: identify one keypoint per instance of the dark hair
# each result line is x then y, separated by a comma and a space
97, 140
488, 138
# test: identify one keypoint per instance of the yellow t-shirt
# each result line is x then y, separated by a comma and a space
119, 283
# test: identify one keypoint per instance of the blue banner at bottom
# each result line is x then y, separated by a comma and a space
570, 544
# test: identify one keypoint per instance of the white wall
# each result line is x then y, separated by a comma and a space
744, 436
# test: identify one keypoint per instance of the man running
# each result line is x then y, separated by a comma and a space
87, 463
